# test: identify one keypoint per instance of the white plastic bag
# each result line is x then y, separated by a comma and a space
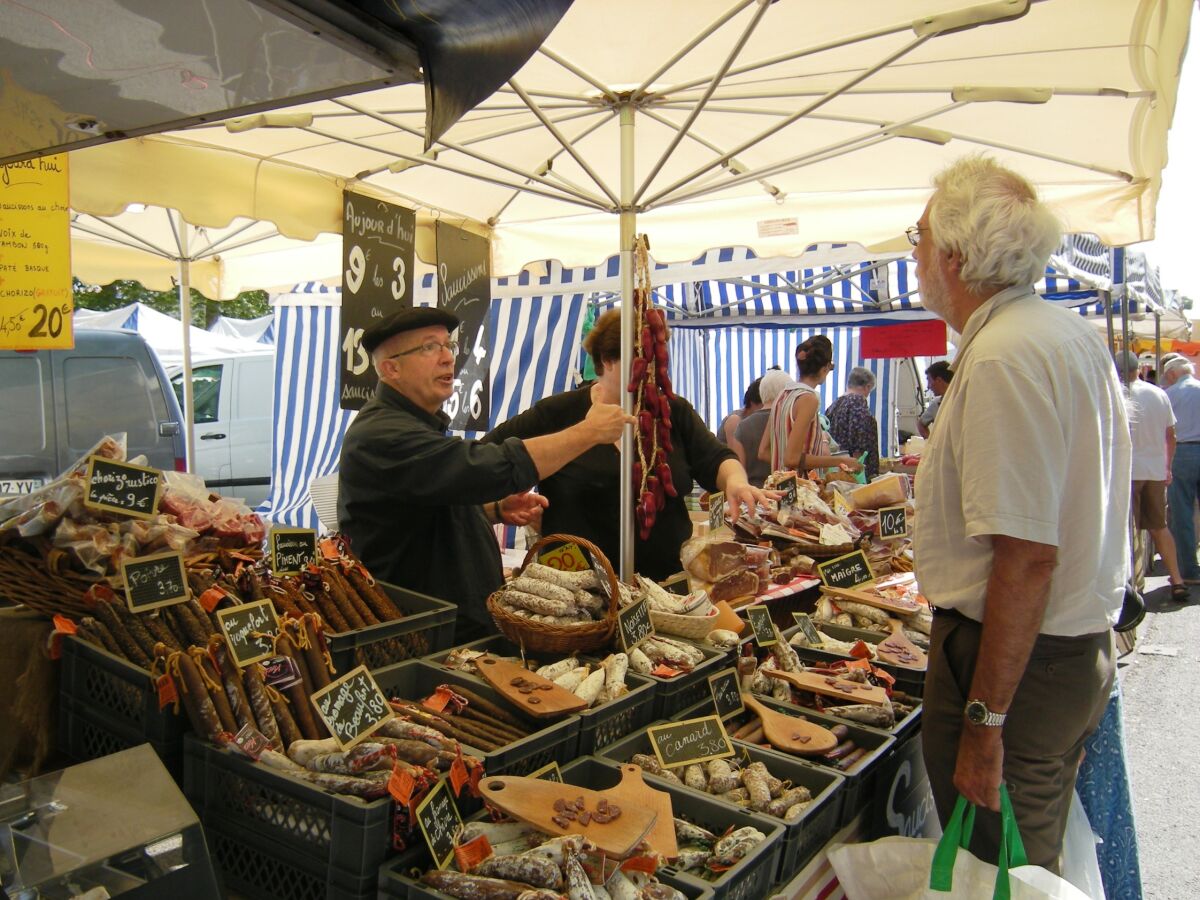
1079, 863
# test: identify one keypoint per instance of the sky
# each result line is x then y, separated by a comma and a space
1174, 248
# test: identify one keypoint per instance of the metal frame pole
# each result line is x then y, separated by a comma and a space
628, 229
185, 313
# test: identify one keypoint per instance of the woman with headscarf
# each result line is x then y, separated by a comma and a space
751, 429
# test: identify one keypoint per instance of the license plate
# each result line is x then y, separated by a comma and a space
20, 485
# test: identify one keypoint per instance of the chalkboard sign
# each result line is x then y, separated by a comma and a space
791, 493
352, 707
847, 571
764, 629
154, 581
716, 510
291, 548
893, 523
440, 823
634, 625
122, 488
377, 282
809, 629
678, 584
242, 623
726, 692
548, 772
694, 741
464, 288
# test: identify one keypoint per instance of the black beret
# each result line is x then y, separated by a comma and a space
406, 320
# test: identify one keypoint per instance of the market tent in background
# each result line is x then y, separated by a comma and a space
164, 334
260, 330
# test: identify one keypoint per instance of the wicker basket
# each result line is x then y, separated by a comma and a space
695, 627
543, 637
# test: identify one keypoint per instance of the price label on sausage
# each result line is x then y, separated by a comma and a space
291, 549
847, 571
893, 523
764, 629
791, 491
154, 581
694, 741
440, 822
716, 510
566, 558
250, 631
808, 629
634, 625
352, 707
122, 488
726, 693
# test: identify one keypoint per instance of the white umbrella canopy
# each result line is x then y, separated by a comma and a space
770, 125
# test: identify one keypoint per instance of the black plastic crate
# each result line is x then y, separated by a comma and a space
290, 819
257, 869
911, 681
598, 726
805, 834
555, 742
860, 780
88, 733
427, 626
674, 694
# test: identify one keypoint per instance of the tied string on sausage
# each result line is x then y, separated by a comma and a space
314, 630
158, 670
199, 655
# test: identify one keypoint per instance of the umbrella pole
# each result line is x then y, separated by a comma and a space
1157, 345
1117, 266
628, 226
185, 313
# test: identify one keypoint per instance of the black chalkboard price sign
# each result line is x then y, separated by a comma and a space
440, 823
696, 740
716, 510
249, 631
548, 772
764, 629
352, 707
726, 694
634, 625
122, 488
678, 585
790, 493
154, 581
893, 523
291, 548
810, 630
847, 571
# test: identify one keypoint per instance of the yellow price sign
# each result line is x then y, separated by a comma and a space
36, 303
567, 558
841, 504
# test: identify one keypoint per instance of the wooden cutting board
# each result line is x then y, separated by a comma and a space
532, 800
899, 650
634, 790
841, 688
791, 733
531, 693
903, 607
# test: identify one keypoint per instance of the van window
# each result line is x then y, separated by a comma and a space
107, 394
206, 392
22, 407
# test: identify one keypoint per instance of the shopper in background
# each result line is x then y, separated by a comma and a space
851, 423
751, 403
750, 430
937, 379
1022, 545
1152, 428
418, 505
585, 496
796, 438
1183, 390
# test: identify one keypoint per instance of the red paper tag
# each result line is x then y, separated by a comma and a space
458, 772
438, 699
472, 853
665, 671
242, 556
329, 549
647, 864
210, 598
401, 785
167, 694
860, 650
64, 625
251, 742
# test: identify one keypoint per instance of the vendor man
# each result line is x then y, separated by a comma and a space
417, 504
1022, 544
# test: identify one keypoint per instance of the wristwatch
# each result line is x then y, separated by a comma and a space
977, 713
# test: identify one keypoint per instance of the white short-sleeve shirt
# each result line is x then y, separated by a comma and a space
1150, 415
1032, 442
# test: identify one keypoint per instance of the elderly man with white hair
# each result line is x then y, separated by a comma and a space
1022, 543
1183, 390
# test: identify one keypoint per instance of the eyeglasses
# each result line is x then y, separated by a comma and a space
429, 348
913, 233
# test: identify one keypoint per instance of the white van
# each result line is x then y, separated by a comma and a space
235, 398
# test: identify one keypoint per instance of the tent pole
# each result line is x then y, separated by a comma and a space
1157, 345
1117, 266
628, 227
185, 313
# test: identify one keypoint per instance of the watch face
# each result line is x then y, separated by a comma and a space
976, 712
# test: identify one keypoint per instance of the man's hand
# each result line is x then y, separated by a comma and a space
980, 767
606, 421
523, 509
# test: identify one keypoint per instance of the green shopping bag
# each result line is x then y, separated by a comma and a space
957, 835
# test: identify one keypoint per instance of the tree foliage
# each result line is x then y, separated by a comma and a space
247, 305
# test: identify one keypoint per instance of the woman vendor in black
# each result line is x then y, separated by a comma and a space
585, 494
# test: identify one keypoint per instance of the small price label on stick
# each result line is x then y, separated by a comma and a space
716, 510
634, 625
847, 571
678, 585
893, 523
292, 549
764, 629
694, 741
726, 693
440, 822
791, 493
809, 629
352, 707
250, 630
154, 581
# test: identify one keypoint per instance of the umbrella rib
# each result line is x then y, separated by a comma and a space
566, 144
175, 231
136, 243
699, 107
695, 137
692, 45
474, 154
799, 114
212, 245
575, 70
212, 249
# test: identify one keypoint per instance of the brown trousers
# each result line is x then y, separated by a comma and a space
1058, 704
